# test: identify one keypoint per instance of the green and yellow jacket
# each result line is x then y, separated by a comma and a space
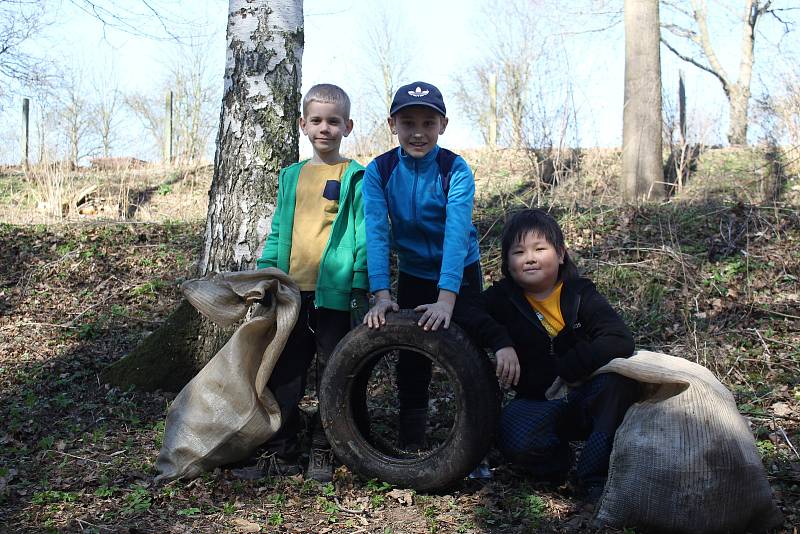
343, 265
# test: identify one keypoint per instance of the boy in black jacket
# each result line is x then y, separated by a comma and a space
550, 330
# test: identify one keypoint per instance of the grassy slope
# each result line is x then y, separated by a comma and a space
715, 281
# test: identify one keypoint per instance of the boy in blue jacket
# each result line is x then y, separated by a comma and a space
418, 200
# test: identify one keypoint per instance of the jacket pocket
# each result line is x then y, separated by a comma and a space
337, 270
332, 190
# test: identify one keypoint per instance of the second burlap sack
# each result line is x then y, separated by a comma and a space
684, 459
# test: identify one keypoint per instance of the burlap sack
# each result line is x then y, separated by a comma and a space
226, 411
684, 459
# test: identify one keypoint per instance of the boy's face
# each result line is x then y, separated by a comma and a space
325, 125
418, 129
533, 263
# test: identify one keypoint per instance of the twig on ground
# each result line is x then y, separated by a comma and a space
735, 362
31, 323
348, 510
489, 229
788, 442
96, 304
82, 522
80, 457
771, 417
767, 352
773, 312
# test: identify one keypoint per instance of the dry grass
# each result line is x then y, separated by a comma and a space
50, 194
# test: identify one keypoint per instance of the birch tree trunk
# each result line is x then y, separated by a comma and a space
642, 168
258, 135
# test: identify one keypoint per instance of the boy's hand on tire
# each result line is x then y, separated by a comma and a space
436, 314
376, 316
507, 370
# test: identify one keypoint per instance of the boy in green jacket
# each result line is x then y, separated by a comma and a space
317, 238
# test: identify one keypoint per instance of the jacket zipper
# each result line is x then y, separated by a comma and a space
414, 210
538, 324
414, 192
325, 251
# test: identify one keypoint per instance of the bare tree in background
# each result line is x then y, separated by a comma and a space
692, 27
779, 112
45, 127
106, 107
196, 101
74, 114
20, 21
387, 62
149, 111
518, 47
195, 104
155, 19
787, 108
473, 93
258, 135
642, 166
515, 50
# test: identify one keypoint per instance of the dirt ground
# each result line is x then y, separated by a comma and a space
712, 278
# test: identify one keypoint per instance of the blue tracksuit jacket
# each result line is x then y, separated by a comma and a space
433, 235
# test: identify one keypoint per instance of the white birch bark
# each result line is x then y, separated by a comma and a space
258, 131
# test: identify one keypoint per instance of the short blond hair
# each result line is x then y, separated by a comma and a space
327, 93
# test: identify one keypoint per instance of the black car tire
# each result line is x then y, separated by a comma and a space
476, 394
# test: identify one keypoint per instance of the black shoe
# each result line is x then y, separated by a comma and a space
269, 465
320, 465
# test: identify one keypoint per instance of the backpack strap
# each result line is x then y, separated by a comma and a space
386, 163
445, 159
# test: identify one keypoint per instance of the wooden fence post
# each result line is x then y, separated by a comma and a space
492, 110
26, 103
168, 154
682, 106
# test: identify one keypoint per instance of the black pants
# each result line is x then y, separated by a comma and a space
414, 369
317, 331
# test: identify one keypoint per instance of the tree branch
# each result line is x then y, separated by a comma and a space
696, 63
787, 25
676, 5
704, 40
680, 31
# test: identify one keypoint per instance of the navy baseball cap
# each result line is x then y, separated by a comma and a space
418, 94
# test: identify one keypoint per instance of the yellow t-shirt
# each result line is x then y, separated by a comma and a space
549, 310
315, 207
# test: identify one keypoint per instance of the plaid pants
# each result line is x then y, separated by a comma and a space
535, 434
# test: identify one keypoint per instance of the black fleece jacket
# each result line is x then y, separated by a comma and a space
593, 334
